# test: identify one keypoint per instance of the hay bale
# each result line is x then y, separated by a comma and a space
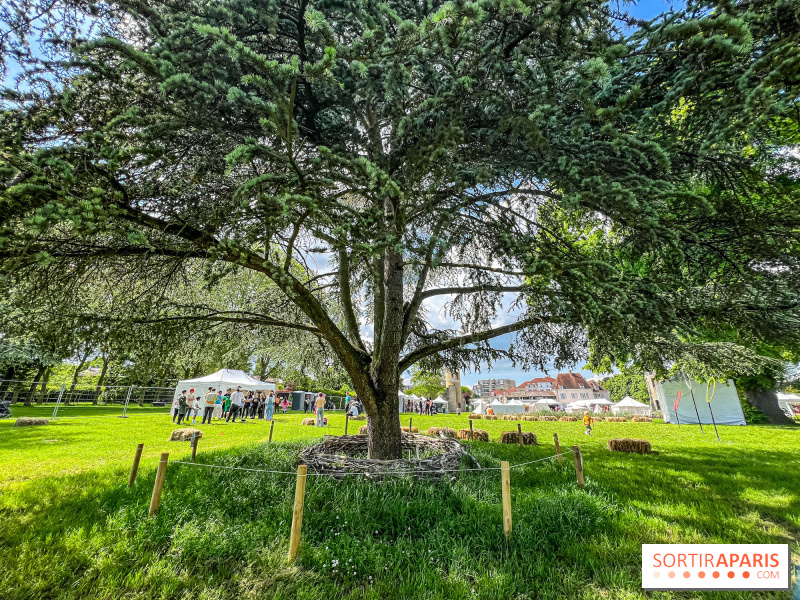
28, 421
616, 419
568, 419
362, 430
629, 445
185, 434
642, 419
490, 417
512, 437
479, 435
474, 416
309, 421
359, 418
528, 418
442, 432
413, 430
548, 418
510, 417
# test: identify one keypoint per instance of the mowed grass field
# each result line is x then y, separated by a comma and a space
71, 528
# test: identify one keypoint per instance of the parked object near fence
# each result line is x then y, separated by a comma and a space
478, 435
446, 432
340, 456
185, 434
27, 421
629, 445
512, 437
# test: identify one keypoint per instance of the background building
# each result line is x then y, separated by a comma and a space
485, 386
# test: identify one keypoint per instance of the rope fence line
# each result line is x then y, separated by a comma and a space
302, 476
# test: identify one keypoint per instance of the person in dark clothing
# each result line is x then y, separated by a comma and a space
183, 406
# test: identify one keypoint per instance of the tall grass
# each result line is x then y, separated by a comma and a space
73, 529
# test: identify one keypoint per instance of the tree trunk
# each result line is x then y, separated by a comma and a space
32, 390
767, 402
75, 377
43, 391
101, 380
383, 427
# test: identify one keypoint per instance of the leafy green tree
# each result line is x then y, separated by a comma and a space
628, 382
632, 191
427, 384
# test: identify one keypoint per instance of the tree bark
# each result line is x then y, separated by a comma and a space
75, 377
383, 426
767, 402
32, 390
43, 390
100, 380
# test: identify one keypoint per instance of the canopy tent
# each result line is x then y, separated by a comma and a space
514, 403
540, 405
790, 403
632, 406
402, 399
499, 408
440, 401
725, 403
222, 379
480, 407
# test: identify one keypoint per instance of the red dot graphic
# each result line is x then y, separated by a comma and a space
746, 574
731, 574
686, 574
716, 574
701, 574
671, 574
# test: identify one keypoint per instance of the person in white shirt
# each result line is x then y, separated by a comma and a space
237, 401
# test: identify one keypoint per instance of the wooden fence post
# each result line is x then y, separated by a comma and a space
578, 465
410, 423
558, 448
135, 469
161, 474
505, 481
471, 431
346, 423
519, 430
195, 441
271, 427
297, 513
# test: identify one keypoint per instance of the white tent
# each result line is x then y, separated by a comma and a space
725, 403
540, 405
222, 379
480, 407
789, 403
632, 406
499, 408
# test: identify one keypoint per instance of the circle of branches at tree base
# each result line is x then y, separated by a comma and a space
340, 456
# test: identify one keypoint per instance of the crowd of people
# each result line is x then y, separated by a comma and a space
226, 404
425, 407
230, 404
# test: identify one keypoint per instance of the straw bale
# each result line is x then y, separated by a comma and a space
629, 445
447, 432
642, 419
309, 421
474, 416
512, 437
413, 429
616, 419
185, 434
511, 417
478, 435
568, 419
27, 421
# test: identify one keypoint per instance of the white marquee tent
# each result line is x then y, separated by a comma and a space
480, 407
540, 405
222, 379
513, 407
632, 406
725, 403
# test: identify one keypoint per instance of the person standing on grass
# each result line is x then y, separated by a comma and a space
458, 408
191, 402
587, 422
182, 406
227, 404
257, 407
218, 403
269, 406
175, 406
237, 401
245, 410
285, 405
319, 405
208, 405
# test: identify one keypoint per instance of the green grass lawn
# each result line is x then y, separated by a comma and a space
71, 528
